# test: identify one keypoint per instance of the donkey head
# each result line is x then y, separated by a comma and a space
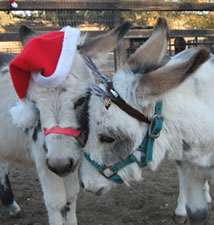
64, 107
115, 134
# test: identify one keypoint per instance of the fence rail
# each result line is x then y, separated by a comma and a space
14, 36
110, 5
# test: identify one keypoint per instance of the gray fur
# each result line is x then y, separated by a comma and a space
198, 217
120, 147
5, 58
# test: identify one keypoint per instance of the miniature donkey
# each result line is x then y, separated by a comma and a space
55, 156
143, 93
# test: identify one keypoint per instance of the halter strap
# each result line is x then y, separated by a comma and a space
80, 135
146, 147
124, 106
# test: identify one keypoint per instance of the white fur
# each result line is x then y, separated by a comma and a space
14, 5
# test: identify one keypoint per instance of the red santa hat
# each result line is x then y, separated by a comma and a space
47, 59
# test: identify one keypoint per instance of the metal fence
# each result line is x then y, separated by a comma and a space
97, 16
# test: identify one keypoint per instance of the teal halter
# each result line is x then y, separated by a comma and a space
146, 147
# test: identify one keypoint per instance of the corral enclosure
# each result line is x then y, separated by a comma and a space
98, 16
153, 201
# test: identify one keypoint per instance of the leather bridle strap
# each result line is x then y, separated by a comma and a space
115, 97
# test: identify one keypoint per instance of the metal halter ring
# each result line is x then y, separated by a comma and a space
152, 135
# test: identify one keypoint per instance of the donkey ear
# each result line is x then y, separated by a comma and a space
150, 54
26, 34
170, 76
106, 42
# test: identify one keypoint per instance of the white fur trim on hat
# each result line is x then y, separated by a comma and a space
24, 114
14, 5
69, 46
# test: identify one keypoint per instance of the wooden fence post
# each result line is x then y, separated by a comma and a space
118, 52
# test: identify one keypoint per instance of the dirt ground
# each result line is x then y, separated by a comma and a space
151, 202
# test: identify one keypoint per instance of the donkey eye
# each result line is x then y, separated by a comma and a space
106, 139
79, 102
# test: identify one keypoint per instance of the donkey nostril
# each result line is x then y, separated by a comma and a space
47, 162
69, 165
60, 167
82, 185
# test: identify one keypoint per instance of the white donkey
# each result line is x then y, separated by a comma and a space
55, 155
143, 93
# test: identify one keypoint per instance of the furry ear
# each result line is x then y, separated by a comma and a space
24, 114
149, 55
26, 34
104, 43
170, 76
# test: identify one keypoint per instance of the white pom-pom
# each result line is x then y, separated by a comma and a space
14, 5
24, 114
